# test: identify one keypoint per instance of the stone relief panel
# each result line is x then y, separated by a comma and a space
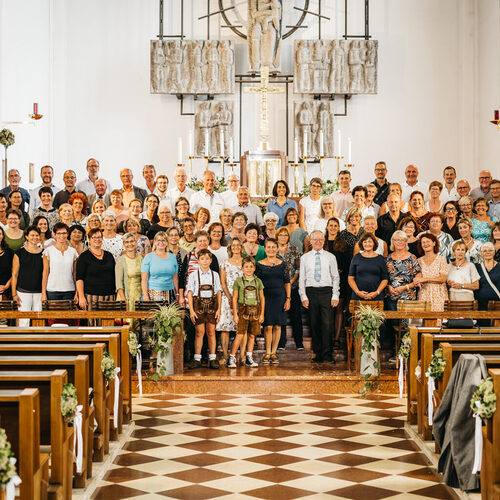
213, 127
313, 126
192, 67
335, 66
263, 35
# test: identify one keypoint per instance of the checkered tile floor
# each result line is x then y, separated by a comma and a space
270, 447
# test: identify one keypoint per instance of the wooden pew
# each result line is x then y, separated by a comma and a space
429, 343
415, 355
20, 414
111, 341
101, 393
78, 374
124, 364
54, 432
490, 467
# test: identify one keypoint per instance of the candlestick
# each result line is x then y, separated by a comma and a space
304, 145
349, 150
231, 151
207, 144
190, 144
321, 146
304, 161
179, 151
497, 113
338, 158
221, 142
321, 167
35, 108
190, 158
31, 169
339, 145
296, 149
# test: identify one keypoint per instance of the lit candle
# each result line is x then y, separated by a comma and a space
296, 149
179, 152
207, 142
35, 108
339, 143
304, 145
349, 151
191, 144
321, 147
496, 114
231, 150
221, 145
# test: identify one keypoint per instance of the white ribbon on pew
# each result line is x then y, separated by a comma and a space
138, 358
78, 438
117, 398
401, 380
431, 386
10, 487
478, 442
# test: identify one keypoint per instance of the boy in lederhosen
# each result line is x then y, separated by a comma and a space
248, 310
204, 299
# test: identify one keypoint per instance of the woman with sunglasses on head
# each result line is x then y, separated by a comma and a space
327, 211
151, 204
482, 223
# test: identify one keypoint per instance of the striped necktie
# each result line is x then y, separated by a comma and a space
317, 268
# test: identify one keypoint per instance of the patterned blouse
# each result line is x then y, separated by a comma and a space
402, 272
481, 230
143, 245
292, 261
350, 239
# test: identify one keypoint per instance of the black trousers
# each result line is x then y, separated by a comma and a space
321, 320
295, 315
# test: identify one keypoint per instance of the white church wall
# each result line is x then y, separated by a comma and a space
87, 64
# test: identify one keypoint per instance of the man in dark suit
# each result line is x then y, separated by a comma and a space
130, 191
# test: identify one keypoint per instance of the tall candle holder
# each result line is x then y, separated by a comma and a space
338, 158
295, 168
190, 159
222, 160
304, 162
321, 171
349, 166
207, 158
232, 165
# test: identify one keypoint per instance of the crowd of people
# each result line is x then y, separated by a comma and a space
237, 270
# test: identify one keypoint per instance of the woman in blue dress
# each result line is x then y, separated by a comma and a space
482, 223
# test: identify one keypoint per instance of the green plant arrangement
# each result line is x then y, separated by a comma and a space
369, 320
108, 367
167, 325
405, 346
197, 185
7, 138
437, 365
69, 402
133, 344
7, 460
484, 400
329, 187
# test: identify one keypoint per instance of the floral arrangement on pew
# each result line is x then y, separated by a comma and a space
167, 325
133, 344
8, 473
403, 355
433, 373
369, 320
108, 367
69, 402
197, 185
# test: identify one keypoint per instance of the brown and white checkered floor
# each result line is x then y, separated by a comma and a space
271, 447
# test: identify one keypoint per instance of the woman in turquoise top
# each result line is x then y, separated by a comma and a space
159, 272
251, 248
482, 222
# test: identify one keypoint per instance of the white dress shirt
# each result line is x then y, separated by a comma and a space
451, 195
35, 199
419, 186
252, 212
87, 186
230, 198
193, 285
213, 203
174, 193
329, 273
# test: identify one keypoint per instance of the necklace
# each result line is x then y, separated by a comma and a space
96, 254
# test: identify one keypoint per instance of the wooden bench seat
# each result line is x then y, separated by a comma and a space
77, 368
54, 432
20, 415
124, 359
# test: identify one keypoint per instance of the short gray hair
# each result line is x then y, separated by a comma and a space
398, 234
271, 215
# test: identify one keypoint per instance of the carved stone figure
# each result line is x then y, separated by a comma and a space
335, 66
314, 118
212, 118
264, 34
192, 66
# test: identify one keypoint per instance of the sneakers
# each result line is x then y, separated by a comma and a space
300, 348
274, 359
231, 361
213, 364
250, 362
193, 364
265, 359
281, 348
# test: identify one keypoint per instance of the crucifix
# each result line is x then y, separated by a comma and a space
264, 89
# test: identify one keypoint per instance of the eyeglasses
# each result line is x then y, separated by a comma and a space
462, 187
182, 205
96, 238
62, 233
451, 209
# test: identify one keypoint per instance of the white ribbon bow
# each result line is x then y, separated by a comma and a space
78, 438
10, 488
431, 386
117, 398
138, 358
478, 441
401, 375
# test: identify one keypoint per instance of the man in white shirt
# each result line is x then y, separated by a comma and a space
87, 186
413, 184
343, 197
149, 175
180, 188
230, 196
450, 192
46, 174
319, 293
252, 211
161, 188
207, 197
